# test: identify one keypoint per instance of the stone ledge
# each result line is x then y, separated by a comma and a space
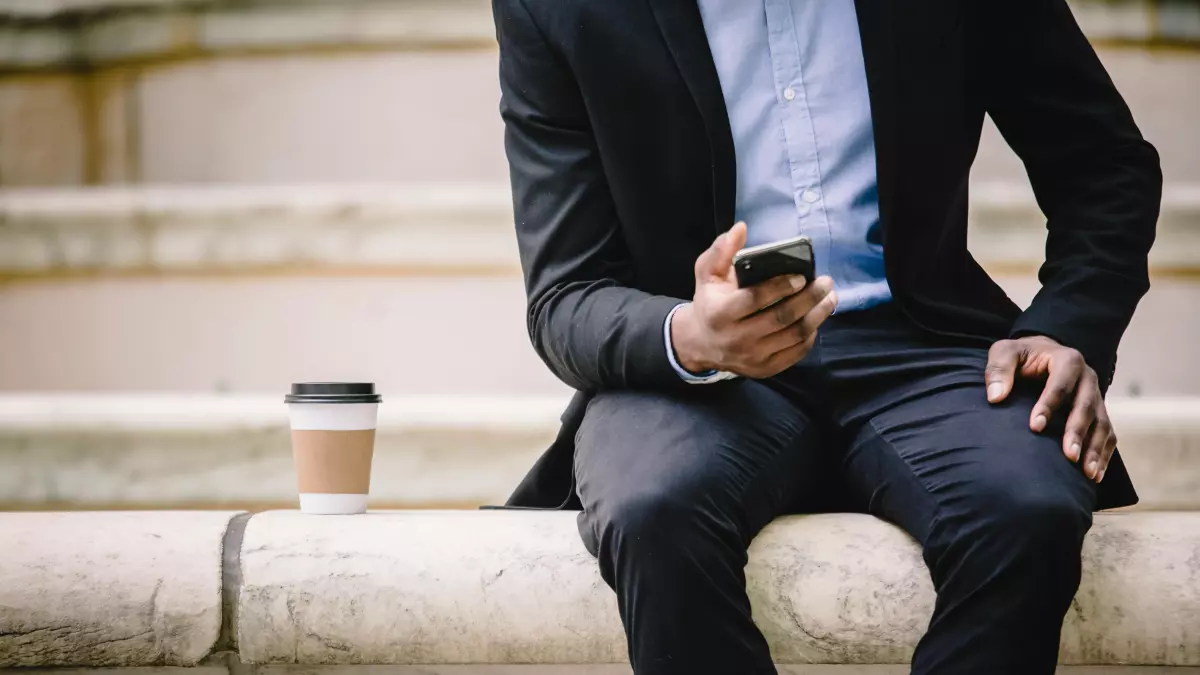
181, 451
237, 668
452, 228
137, 451
199, 228
110, 589
432, 588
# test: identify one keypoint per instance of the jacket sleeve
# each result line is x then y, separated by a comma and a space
586, 321
1095, 178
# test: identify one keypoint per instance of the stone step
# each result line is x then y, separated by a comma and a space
282, 592
234, 451
452, 335
263, 91
432, 229
387, 272
184, 451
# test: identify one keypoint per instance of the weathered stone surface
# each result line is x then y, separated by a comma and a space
574, 669
122, 450
109, 589
848, 589
518, 587
623, 669
423, 587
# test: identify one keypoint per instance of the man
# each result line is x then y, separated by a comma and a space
639, 130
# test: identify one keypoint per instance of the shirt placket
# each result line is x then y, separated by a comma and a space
799, 132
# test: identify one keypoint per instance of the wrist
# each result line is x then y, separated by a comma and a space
687, 343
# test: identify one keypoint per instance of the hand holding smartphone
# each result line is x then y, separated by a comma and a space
759, 322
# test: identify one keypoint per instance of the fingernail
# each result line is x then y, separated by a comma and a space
721, 238
1101, 476
798, 282
995, 389
1040, 421
1094, 468
1075, 448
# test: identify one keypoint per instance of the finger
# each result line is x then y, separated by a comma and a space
717, 261
1003, 360
1095, 458
1079, 422
802, 343
1064, 377
1109, 448
817, 315
746, 301
802, 331
782, 360
787, 312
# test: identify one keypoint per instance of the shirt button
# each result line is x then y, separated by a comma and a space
789, 94
809, 196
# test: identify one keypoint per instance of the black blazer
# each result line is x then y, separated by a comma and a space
623, 166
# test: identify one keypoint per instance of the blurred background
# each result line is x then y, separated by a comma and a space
202, 201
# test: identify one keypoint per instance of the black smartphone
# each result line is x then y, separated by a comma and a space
756, 264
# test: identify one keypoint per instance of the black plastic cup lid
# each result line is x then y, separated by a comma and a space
333, 392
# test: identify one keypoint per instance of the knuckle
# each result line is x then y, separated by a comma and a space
758, 295
1000, 348
784, 314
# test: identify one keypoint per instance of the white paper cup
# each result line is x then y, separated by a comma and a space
333, 442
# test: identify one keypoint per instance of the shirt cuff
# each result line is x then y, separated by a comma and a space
694, 378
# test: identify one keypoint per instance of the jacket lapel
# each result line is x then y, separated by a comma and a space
683, 31
875, 26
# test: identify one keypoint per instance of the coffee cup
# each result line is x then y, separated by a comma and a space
333, 440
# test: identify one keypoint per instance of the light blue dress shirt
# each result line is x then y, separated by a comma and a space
795, 89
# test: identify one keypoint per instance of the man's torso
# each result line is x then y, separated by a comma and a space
656, 109
795, 90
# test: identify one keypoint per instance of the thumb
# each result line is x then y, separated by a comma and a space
1003, 359
718, 259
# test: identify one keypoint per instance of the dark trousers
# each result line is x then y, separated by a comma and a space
880, 417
